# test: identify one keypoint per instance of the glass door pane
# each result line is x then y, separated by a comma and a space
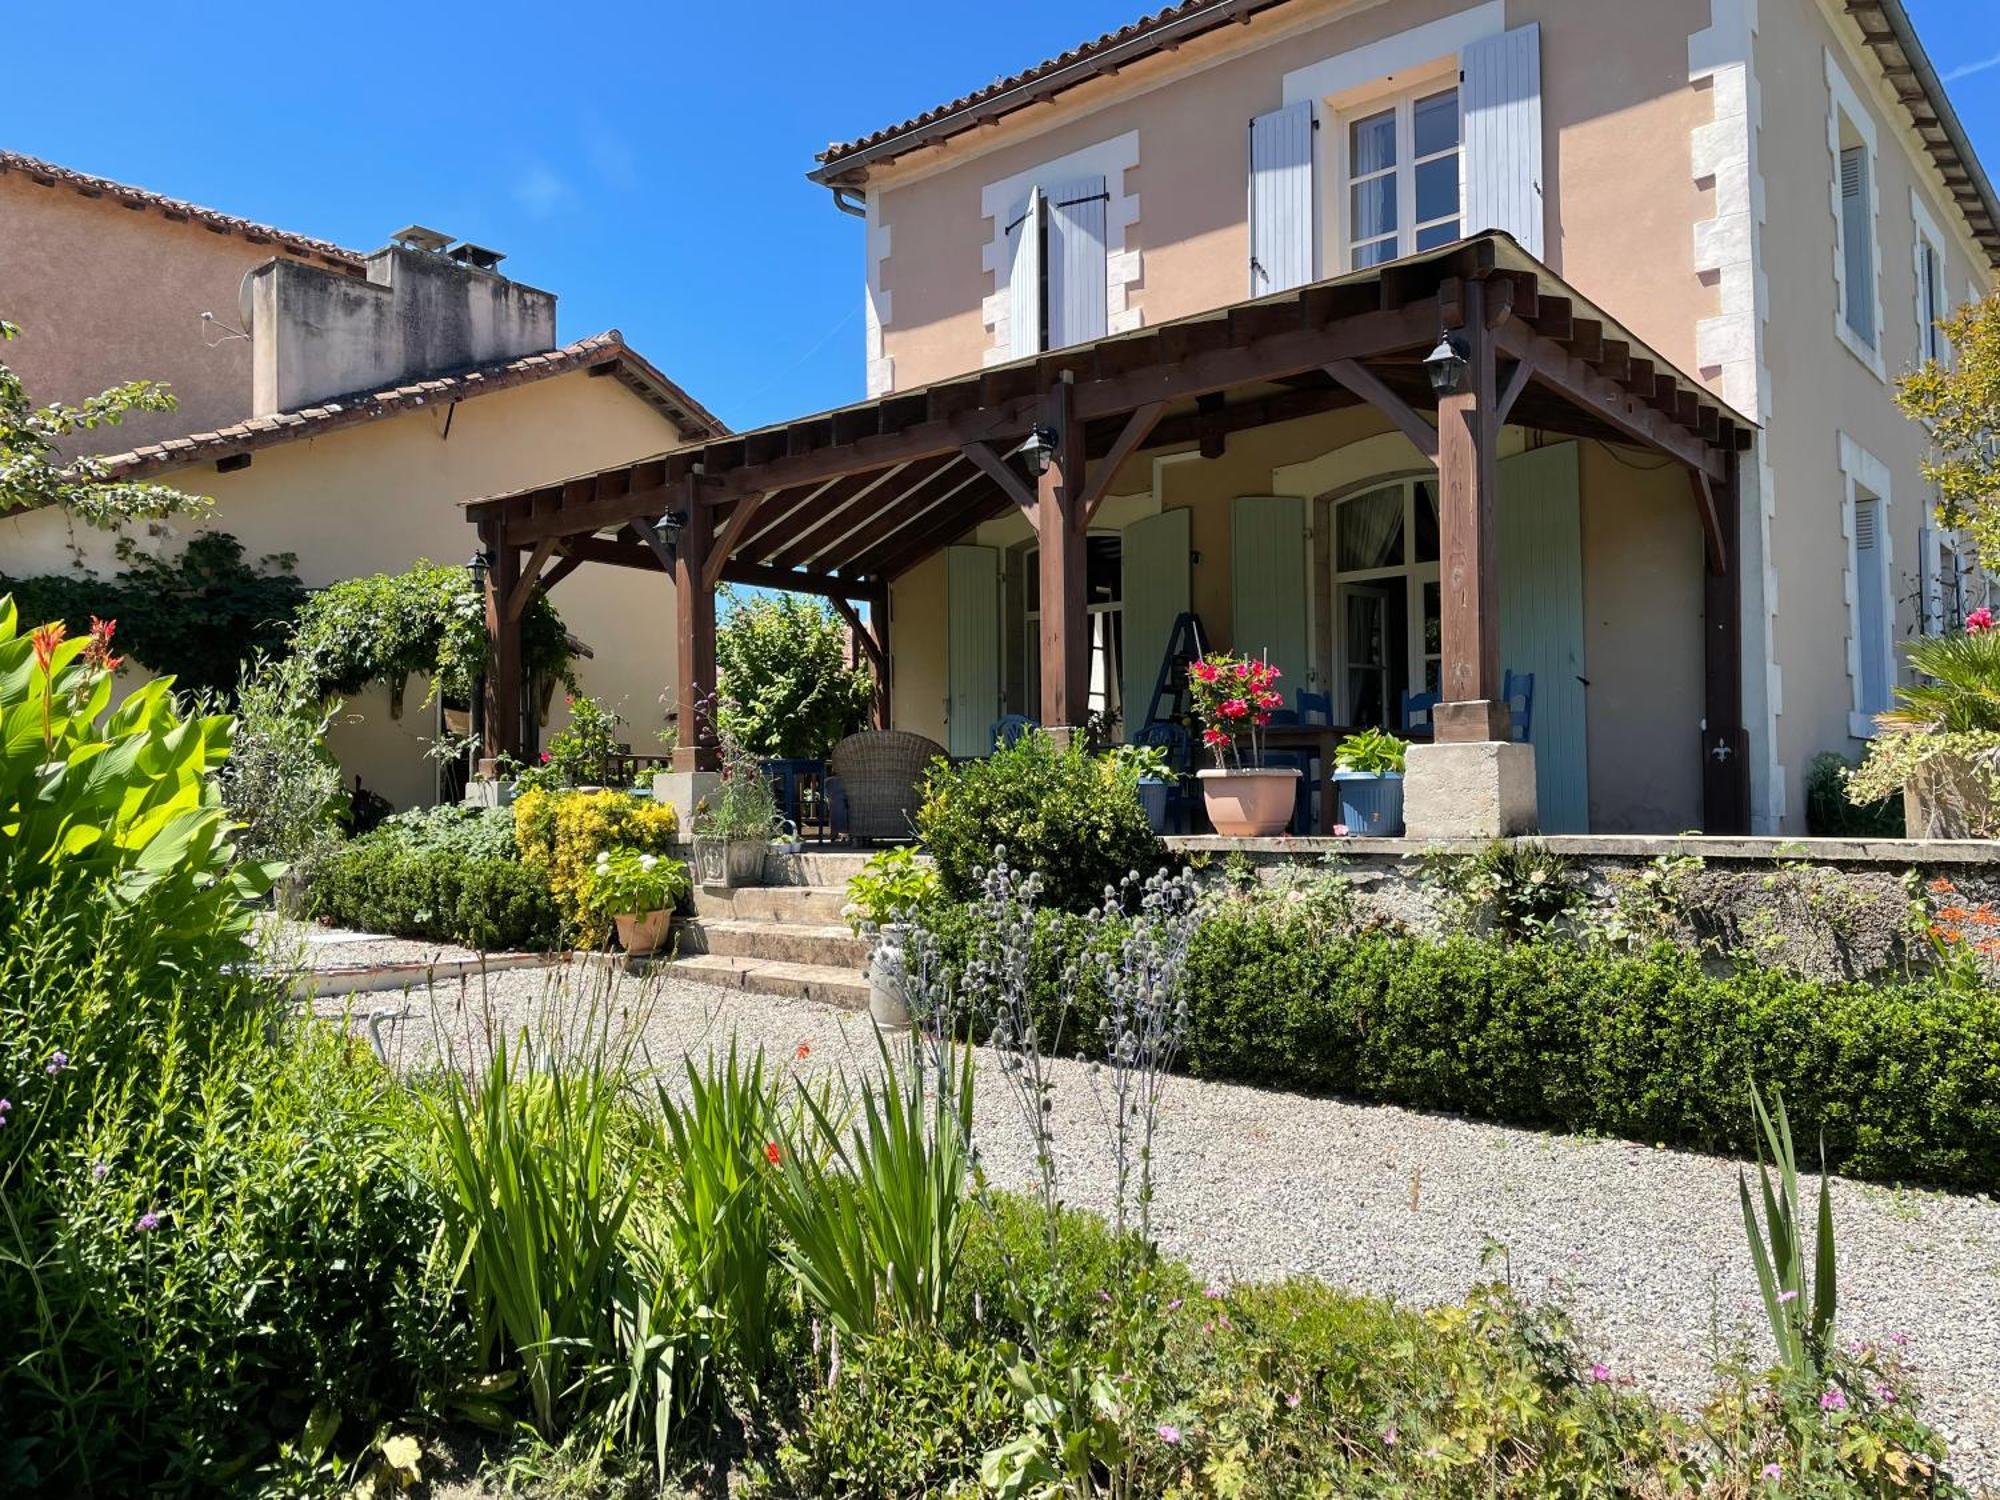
1365, 644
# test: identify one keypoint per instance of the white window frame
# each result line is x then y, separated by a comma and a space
1931, 342
1415, 575
1844, 106
1864, 476
1402, 102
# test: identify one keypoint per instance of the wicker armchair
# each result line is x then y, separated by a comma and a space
882, 771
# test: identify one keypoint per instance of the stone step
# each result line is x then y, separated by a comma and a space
829, 986
818, 905
813, 867
831, 945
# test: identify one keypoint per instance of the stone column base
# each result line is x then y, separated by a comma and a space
680, 790
1475, 789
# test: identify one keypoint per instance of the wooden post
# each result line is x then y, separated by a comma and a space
1725, 758
880, 659
1065, 619
1468, 490
503, 634
694, 632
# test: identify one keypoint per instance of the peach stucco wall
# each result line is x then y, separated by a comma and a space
105, 294
1618, 218
376, 497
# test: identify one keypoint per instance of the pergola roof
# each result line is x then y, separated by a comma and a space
840, 502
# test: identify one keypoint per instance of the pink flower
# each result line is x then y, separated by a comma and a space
1600, 1373
1292, 1401
1234, 708
1886, 1394
1262, 720
1270, 700
1243, 669
1979, 621
1772, 1473
1790, 1296
1833, 1400
1215, 739
1169, 1434
1340, 830
1215, 1291
1390, 1437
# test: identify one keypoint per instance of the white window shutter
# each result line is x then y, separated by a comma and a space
1501, 105
1024, 277
1077, 302
1281, 199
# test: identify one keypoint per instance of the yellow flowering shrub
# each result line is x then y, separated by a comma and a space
563, 832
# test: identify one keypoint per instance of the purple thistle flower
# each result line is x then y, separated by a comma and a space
1169, 1434
57, 1063
1833, 1400
1772, 1473
148, 1222
1600, 1373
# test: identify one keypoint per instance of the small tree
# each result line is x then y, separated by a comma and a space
33, 476
1959, 407
787, 688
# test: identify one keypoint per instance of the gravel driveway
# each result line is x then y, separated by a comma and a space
1645, 1245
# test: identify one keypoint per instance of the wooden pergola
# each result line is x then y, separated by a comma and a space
843, 502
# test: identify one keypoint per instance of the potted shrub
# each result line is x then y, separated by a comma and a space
883, 897
1149, 764
1234, 697
1368, 770
734, 827
639, 892
1940, 745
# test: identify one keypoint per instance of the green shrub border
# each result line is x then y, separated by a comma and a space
378, 884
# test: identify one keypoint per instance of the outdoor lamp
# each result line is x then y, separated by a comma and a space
671, 525
1446, 365
478, 567
1038, 447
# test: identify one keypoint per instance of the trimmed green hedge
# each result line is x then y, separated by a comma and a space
441, 890
1902, 1081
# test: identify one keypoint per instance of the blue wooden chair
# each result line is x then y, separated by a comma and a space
1175, 740
1416, 715
1314, 708
1007, 730
1517, 689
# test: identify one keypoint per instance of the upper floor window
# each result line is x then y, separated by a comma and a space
1850, 135
1402, 169
1933, 301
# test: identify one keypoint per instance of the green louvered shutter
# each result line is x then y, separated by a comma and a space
972, 581
1155, 553
1267, 580
1541, 622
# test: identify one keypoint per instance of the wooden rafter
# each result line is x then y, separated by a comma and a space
1364, 384
1711, 521
530, 583
1605, 398
1517, 382
1012, 485
732, 532
1131, 438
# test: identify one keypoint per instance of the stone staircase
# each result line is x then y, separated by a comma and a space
787, 939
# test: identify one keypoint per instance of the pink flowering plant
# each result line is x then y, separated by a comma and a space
1234, 697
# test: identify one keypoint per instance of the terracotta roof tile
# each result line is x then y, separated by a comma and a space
51, 175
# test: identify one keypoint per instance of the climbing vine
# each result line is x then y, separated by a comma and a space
429, 621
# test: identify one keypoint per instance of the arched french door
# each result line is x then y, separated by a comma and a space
1380, 556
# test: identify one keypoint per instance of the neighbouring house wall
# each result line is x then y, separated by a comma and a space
1819, 389
377, 496
106, 294
1618, 220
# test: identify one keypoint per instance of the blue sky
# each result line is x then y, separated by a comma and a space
644, 160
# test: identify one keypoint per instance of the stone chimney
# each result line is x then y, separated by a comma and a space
422, 311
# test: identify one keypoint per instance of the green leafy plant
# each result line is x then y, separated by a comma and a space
580, 753
1958, 405
1831, 814
1512, 889
560, 835
744, 806
782, 661
893, 885
1799, 1307
1068, 816
631, 882
1944, 732
1147, 762
1372, 751
280, 781
449, 874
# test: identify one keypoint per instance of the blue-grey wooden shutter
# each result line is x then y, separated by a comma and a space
1857, 243
1500, 103
1267, 579
972, 648
1077, 304
1541, 622
1281, 199
1871, 605
1024, 277
1155, 554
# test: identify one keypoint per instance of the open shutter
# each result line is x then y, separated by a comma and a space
1024, 276
1155, 552
1931, 582
1541, 622
972, 601
1077, 304
1281, 198
1501, 99
1857, 243
1267, 579
1871, 605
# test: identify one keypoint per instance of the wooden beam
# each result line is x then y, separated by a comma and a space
567, 564
503, 635
1012, 485
1131, 438
651, 536
923, 505
1517, 382
1364, 384
1469, 575
727, 540
1603, 398
1711, 521
876, 652
529, 582
694, 630
1211, 426
1725, 747
1065, 621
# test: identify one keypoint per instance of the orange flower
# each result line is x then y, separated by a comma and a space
46, 638
1942, 887
771, 1152
803, 1053
97, 655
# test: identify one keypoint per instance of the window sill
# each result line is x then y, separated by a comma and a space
1872, 358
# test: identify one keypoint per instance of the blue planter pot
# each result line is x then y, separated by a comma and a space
1153, 797
1371, 803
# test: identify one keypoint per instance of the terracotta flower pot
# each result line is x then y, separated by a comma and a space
644, 932
1250, 804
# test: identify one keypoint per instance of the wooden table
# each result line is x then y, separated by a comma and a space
1320, 740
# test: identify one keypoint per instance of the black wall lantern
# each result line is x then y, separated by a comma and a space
478, 566
1446, 365
1038, 447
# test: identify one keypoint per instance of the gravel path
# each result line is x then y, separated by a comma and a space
1645, 1245
311, 946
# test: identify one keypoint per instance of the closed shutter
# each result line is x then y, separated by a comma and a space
1024, 277
1857, 244
1932, 561
1541, 623
972, 602
1281, 199
1155, 552
1501, 97
1267, 582
1871, 605
1076, 261
1930, 303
